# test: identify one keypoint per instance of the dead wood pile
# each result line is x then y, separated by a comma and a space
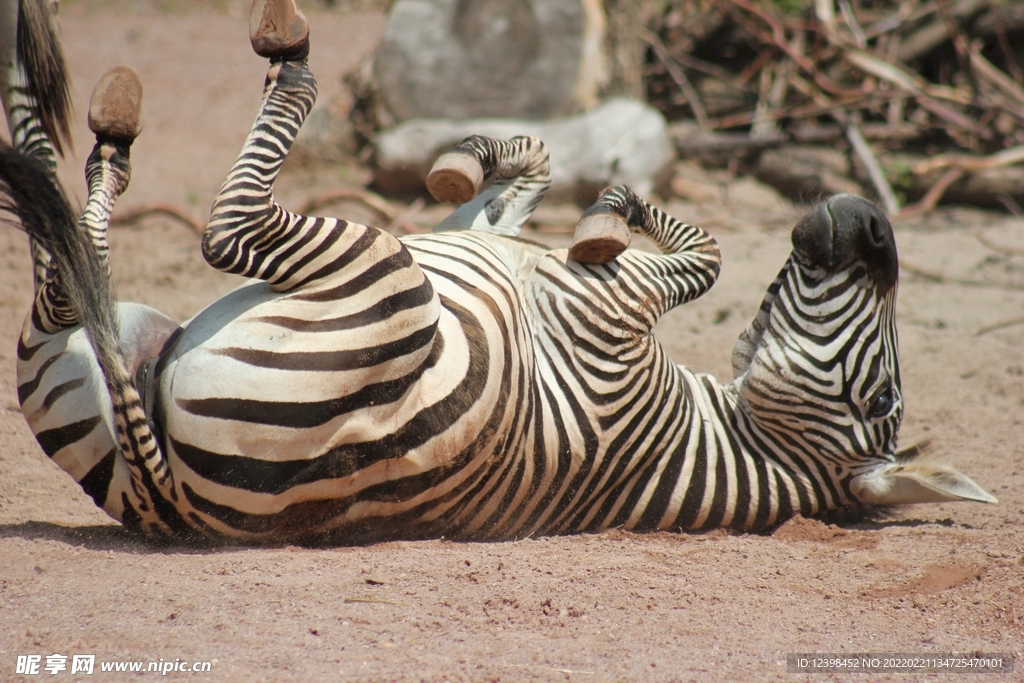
912, 101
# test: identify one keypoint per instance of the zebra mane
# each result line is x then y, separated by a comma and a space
40, 52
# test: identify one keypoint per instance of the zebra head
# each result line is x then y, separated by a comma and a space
817, 371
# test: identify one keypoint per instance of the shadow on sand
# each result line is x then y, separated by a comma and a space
111, 537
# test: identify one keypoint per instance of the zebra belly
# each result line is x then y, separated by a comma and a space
275, 428
67, 405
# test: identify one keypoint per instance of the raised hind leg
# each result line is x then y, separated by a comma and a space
76, 383
115, 118
249, 233
521, 174
34, 89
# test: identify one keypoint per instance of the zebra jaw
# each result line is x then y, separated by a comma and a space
907, 483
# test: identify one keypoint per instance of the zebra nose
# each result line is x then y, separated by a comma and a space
845, 229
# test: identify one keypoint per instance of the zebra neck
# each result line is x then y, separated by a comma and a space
735, 473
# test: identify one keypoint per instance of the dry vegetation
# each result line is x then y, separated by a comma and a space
926, 95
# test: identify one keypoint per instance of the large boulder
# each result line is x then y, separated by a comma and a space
463, 59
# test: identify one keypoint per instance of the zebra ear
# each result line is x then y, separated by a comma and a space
902, 484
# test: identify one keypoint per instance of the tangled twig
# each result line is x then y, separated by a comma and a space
871, 67
374, 202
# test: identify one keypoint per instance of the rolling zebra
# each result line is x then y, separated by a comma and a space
466, 383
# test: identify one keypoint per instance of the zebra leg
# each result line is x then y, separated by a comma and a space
35, 91
521, 174
278, 30
35, 88
114, 116
599, 238
688, 265
249, 234
77, 290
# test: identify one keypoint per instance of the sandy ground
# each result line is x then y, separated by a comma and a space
611, 606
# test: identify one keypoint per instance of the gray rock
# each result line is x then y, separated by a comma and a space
463, 59
621, 141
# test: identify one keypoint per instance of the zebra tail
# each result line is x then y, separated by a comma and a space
38, 200
41, 55
47, 216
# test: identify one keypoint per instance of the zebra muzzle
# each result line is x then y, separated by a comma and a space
845, 229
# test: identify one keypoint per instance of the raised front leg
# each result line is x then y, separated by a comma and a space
687, 267
521, 176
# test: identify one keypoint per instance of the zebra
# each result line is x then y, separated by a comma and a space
467, 383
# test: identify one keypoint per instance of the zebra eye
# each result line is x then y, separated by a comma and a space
882, 405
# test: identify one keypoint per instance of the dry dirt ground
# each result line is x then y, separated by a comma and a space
610, 606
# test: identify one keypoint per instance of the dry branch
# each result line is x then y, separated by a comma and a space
999, 326
971, 164
678, 76
931, 199
135, 215
926, 38
372, 201
881, 183
1001, 248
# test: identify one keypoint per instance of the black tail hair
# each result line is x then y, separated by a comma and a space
41, 55
47, 216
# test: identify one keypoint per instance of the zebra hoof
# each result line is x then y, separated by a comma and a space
599, 238
278, 29
455, 178
115, 110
